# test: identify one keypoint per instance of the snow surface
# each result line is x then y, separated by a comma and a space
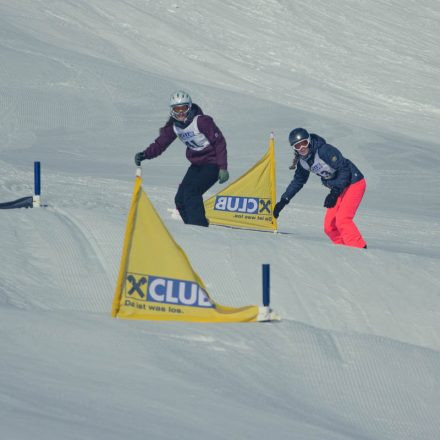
84, 85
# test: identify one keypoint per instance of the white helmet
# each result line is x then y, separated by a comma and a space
178, 99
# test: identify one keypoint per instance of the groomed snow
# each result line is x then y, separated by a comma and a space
85, 85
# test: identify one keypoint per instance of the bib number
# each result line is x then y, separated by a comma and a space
192, 145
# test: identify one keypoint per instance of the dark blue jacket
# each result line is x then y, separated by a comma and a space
326, 161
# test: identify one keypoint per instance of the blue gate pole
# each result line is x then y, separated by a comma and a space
37, 184
266, 285
37, 179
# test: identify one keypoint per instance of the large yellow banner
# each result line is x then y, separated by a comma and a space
248, 201
156, 280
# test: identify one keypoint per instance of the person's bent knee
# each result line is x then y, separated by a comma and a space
342, 222
328, 231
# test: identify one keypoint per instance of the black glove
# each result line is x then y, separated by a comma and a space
279, 206
139, 157
331, 199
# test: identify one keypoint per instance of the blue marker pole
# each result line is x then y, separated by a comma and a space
37, 179
37, 185
266, 285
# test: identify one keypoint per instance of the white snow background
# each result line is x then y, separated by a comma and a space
84, 85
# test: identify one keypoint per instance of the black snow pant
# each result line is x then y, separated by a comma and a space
189, 201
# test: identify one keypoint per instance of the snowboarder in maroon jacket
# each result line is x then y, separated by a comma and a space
205, 149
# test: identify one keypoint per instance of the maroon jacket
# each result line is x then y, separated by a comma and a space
215, 153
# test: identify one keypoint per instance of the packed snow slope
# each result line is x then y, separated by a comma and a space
85, 85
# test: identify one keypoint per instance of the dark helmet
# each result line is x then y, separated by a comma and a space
298, 135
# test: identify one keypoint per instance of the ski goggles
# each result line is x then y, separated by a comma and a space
301, 144
180, 111
181, 108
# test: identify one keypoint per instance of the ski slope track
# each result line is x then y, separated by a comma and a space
85, 85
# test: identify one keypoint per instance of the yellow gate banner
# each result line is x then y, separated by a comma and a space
156, 280
248, 201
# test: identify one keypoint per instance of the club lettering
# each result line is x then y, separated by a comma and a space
179, 292
246, 205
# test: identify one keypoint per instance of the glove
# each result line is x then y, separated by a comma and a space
139, 157
331, 199
223, 176
279, 206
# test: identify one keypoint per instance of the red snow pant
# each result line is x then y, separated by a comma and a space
338, 221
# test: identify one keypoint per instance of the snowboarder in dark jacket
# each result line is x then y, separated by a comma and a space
345, 181
205, 149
